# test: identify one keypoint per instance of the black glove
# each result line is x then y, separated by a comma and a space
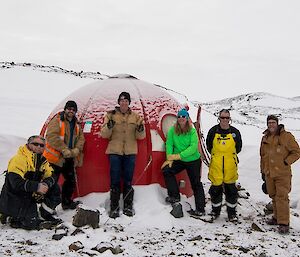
110, 124
263, 177
49, 181
140, 128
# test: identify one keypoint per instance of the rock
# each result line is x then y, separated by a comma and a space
104, 246
76, 246
85, 217
257, 227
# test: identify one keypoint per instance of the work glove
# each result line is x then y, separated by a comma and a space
38, 197
110, 124
173, 157
167, 163
140, 128
66, 153
75, 152
50, 181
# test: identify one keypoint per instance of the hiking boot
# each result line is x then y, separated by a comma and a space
114, 213
172, 200
128, 194
49, 217
272, 221
196, 213
30, 223
128, 211
70, 205
232, 218
114, 203
214, 215
283, 229
15, 222
3, 218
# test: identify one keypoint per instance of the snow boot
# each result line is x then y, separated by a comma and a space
69, 204
283, 229
47, 216
114, 203
128, 201
172, 199
272, 221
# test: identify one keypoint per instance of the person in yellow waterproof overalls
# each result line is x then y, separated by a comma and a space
224, 142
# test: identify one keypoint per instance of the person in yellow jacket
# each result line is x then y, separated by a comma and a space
29, 181
122, 127
64, 150
224, 142
278, 150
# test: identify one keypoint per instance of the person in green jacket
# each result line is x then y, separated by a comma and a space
183, 154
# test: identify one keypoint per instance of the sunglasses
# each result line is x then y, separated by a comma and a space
223, 118
181, 116
37, 144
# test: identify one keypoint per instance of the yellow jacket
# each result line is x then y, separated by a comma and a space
25, 161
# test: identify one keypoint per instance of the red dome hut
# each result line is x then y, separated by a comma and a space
159, 110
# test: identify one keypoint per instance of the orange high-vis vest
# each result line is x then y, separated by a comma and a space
51, 154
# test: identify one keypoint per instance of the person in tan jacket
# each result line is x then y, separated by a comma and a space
122, 127
278, 150
64, 146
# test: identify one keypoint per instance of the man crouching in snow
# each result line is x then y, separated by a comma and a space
29, 181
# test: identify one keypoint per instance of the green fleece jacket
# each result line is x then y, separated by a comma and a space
185, 144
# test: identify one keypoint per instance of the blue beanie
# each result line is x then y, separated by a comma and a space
183, 112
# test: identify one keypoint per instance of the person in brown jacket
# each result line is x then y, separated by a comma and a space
123, 128
64, 146
278, 150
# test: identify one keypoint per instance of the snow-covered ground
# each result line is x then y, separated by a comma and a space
152, 231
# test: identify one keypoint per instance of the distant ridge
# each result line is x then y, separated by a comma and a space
253, 108
50, 68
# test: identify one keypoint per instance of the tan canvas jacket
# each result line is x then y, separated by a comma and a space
124, 135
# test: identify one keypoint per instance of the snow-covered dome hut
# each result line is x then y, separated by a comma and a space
159, 110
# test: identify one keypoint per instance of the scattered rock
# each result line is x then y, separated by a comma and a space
85, 217
104, 246
257, 227
58, 237
77, 231
76, 246
196, 238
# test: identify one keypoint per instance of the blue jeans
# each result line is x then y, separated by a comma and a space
121, 167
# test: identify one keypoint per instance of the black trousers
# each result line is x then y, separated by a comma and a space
193, 171
52, 197
68, 187
231, 195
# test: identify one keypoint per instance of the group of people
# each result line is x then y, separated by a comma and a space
33, 173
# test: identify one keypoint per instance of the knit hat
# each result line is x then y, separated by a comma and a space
124, 95
71, 104
272, 117
183, 112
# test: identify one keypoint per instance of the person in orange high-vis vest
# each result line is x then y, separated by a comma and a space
64, 146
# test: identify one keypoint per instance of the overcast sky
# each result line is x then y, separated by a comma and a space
208, 50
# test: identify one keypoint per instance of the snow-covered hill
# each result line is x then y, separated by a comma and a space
152, 231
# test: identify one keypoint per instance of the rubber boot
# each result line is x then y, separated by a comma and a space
114, 203
128, 201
